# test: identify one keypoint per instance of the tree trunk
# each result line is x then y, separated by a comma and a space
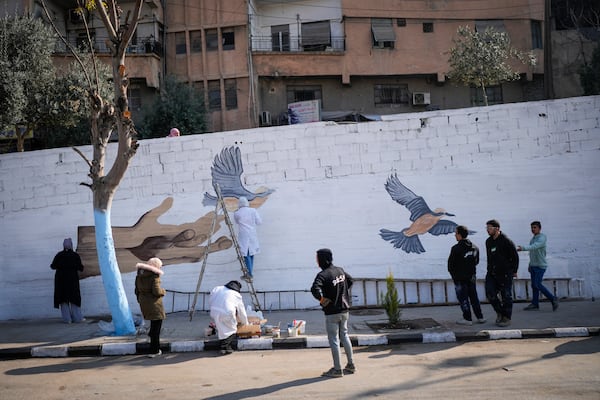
111, 276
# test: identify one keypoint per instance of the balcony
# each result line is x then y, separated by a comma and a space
298, 44
143, 45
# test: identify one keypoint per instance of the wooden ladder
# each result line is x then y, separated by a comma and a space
221, 205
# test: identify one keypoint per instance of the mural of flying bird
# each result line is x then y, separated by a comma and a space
227, 170
423, 219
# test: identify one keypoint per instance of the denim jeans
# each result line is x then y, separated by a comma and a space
337, 330
498, 290
537, 274
70, 312
249, 260
466, 294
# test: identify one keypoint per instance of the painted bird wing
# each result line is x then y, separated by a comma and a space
443, 227
226, 171
403, 195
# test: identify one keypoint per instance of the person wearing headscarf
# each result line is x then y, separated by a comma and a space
149, 295
331, 288
247, 219
227, 310
67, 295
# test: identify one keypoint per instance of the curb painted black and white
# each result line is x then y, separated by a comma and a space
300, 342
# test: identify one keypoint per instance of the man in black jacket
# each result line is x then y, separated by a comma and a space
502, 265
462, 263
331, 287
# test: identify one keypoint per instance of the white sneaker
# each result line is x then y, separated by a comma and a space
481, 320
155, 355
464, 322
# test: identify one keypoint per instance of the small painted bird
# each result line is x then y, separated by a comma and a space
423, 219
226, 171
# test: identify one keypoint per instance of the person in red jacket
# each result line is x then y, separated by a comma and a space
331, 287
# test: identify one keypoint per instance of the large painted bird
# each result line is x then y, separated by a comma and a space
423, 219
227, 170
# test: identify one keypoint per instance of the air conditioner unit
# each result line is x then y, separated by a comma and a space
421, 98
266, 118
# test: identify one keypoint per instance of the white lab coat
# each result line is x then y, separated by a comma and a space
226, 309
247, 219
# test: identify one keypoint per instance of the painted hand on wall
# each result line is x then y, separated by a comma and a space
147, 238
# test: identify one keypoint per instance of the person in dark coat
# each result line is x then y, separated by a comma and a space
502, 266
67, 296
462, 264
149, 295
331, 287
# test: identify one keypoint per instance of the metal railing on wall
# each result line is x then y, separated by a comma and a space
367, 292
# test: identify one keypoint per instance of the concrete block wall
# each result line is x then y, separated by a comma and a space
514, 162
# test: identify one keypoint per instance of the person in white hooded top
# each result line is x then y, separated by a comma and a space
247, 219
227, 309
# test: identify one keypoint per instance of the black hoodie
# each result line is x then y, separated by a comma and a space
463, 260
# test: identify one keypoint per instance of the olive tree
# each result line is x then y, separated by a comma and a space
27, 75
482, 59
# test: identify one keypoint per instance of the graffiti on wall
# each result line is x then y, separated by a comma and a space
423, 219
175, 244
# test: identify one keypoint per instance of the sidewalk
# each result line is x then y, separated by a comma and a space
52, 338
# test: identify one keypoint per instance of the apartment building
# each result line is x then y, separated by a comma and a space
249, 59
252, 58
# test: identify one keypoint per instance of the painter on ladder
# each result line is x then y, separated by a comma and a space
247, 219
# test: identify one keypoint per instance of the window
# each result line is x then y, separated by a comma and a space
383, 33
180, 46
427, 27
214, 95
494, 95
196, 41
228, 39
536, 35
391, 94
495, 24
134, 97
230, 94
401, 22
212, 40
280, 37
316, 36
303, 93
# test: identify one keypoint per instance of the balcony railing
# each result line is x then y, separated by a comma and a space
295, 44
143, 45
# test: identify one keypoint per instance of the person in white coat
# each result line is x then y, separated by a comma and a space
247, 219
227, 309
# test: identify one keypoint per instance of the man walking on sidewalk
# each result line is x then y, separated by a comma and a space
537, 267
462, 264
502, 265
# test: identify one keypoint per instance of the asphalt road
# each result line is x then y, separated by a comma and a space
565, 368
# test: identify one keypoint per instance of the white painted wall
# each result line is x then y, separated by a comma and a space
515, 162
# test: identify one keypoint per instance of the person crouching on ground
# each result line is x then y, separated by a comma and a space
331, 287
227, 309
149, 294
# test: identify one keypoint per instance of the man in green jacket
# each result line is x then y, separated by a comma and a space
537, 267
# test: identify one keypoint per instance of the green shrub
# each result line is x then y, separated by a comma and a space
390, 302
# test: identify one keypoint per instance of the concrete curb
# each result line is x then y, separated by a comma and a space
300, 342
